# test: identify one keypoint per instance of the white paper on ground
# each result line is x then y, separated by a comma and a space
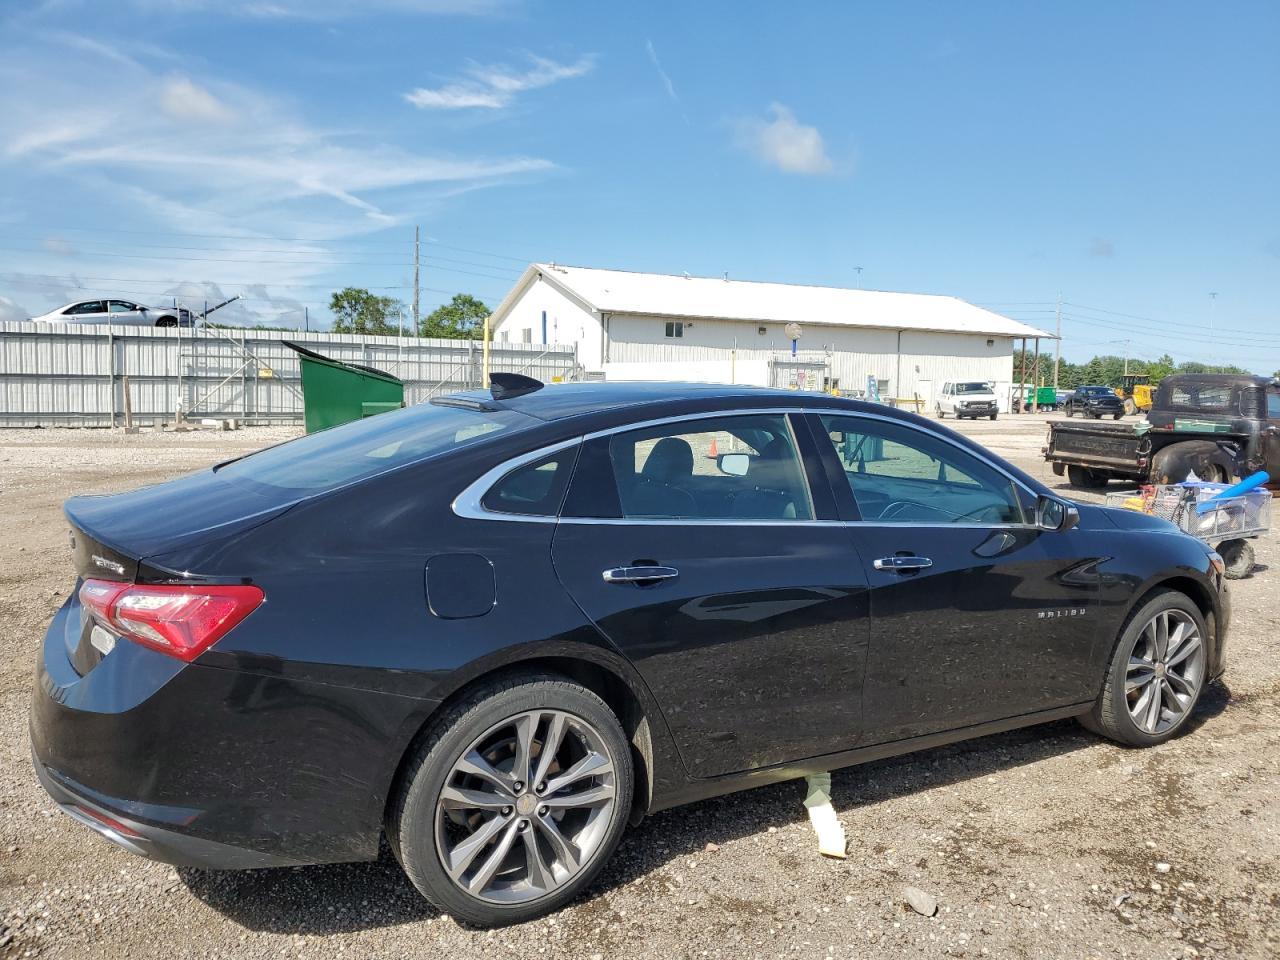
831, 839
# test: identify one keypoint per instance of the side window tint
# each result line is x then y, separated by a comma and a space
536, 489
725, 468
902, 475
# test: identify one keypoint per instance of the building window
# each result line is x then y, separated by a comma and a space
526, 335
675, 329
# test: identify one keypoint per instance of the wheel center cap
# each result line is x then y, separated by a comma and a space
1161, 670
525, 804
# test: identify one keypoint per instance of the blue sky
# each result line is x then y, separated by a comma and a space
1123, 156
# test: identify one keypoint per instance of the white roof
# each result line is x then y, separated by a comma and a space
661, 295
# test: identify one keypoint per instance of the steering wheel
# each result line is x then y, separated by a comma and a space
899, 506
987, 513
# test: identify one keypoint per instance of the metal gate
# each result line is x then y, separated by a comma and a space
798, 374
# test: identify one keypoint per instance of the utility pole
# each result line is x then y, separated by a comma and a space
1213, 303
417, 258
858, 270
306, 319
1057, 353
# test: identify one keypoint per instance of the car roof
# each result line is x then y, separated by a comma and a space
562, 400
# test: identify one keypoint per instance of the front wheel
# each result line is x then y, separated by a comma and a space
993, 416
1156, 674
1069, 410
941, 415
1118, 416
516, 801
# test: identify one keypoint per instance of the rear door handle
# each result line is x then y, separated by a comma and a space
644, 574
902, 563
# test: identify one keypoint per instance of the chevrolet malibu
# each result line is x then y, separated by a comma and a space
497, 627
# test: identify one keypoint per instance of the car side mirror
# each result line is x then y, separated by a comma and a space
734, 464
1055, 514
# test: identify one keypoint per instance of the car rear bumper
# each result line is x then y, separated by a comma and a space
211, 767
108, 818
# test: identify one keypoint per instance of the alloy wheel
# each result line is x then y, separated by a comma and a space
1166, 669
525, 807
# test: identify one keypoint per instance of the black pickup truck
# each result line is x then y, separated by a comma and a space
1219, 426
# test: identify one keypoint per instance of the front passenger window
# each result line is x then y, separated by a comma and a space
721, 468
902, 475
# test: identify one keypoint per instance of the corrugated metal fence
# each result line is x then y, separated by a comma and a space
56, 375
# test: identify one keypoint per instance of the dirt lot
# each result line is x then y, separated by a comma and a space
1044, 842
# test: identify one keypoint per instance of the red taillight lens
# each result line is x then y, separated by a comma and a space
182, 621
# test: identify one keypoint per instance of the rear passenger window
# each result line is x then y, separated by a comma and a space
723, 468
535, 489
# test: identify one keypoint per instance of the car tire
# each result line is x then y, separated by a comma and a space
1239, 557
167, 322
941, 415
1087, 478
1069, 411
422, 823
1118, 415
993, 416
1125, 707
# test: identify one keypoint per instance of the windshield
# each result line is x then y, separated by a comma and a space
353, 451
972, 388
1094, 391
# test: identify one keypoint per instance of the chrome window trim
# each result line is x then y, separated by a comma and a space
467, 504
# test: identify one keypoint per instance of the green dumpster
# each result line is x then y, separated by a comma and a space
335, 392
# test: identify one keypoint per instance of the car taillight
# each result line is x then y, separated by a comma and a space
181, 620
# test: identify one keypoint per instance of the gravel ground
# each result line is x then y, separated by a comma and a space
1044, 842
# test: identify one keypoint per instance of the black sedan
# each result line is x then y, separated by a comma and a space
1096, 402
497, 627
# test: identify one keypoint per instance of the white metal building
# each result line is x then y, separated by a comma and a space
644, 326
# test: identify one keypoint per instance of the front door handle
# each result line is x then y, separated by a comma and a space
902, 563
644, 574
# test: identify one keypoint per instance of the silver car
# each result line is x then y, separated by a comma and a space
121, 312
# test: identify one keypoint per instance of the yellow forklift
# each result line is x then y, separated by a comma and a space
1135, 392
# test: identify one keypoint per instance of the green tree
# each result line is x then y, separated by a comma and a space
356, 310
462, 318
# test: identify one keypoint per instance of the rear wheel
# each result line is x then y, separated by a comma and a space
1156, 674
1129, 406
515, 802
1087, 478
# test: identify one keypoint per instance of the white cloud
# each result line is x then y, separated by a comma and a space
183, 100
12, 311
786, 143
126, 135
666, 80
493, 87
321, 9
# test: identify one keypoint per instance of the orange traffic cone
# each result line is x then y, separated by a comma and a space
715, 452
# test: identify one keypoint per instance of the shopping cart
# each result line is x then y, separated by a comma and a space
1226, 524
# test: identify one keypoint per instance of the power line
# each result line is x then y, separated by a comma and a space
259, 236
